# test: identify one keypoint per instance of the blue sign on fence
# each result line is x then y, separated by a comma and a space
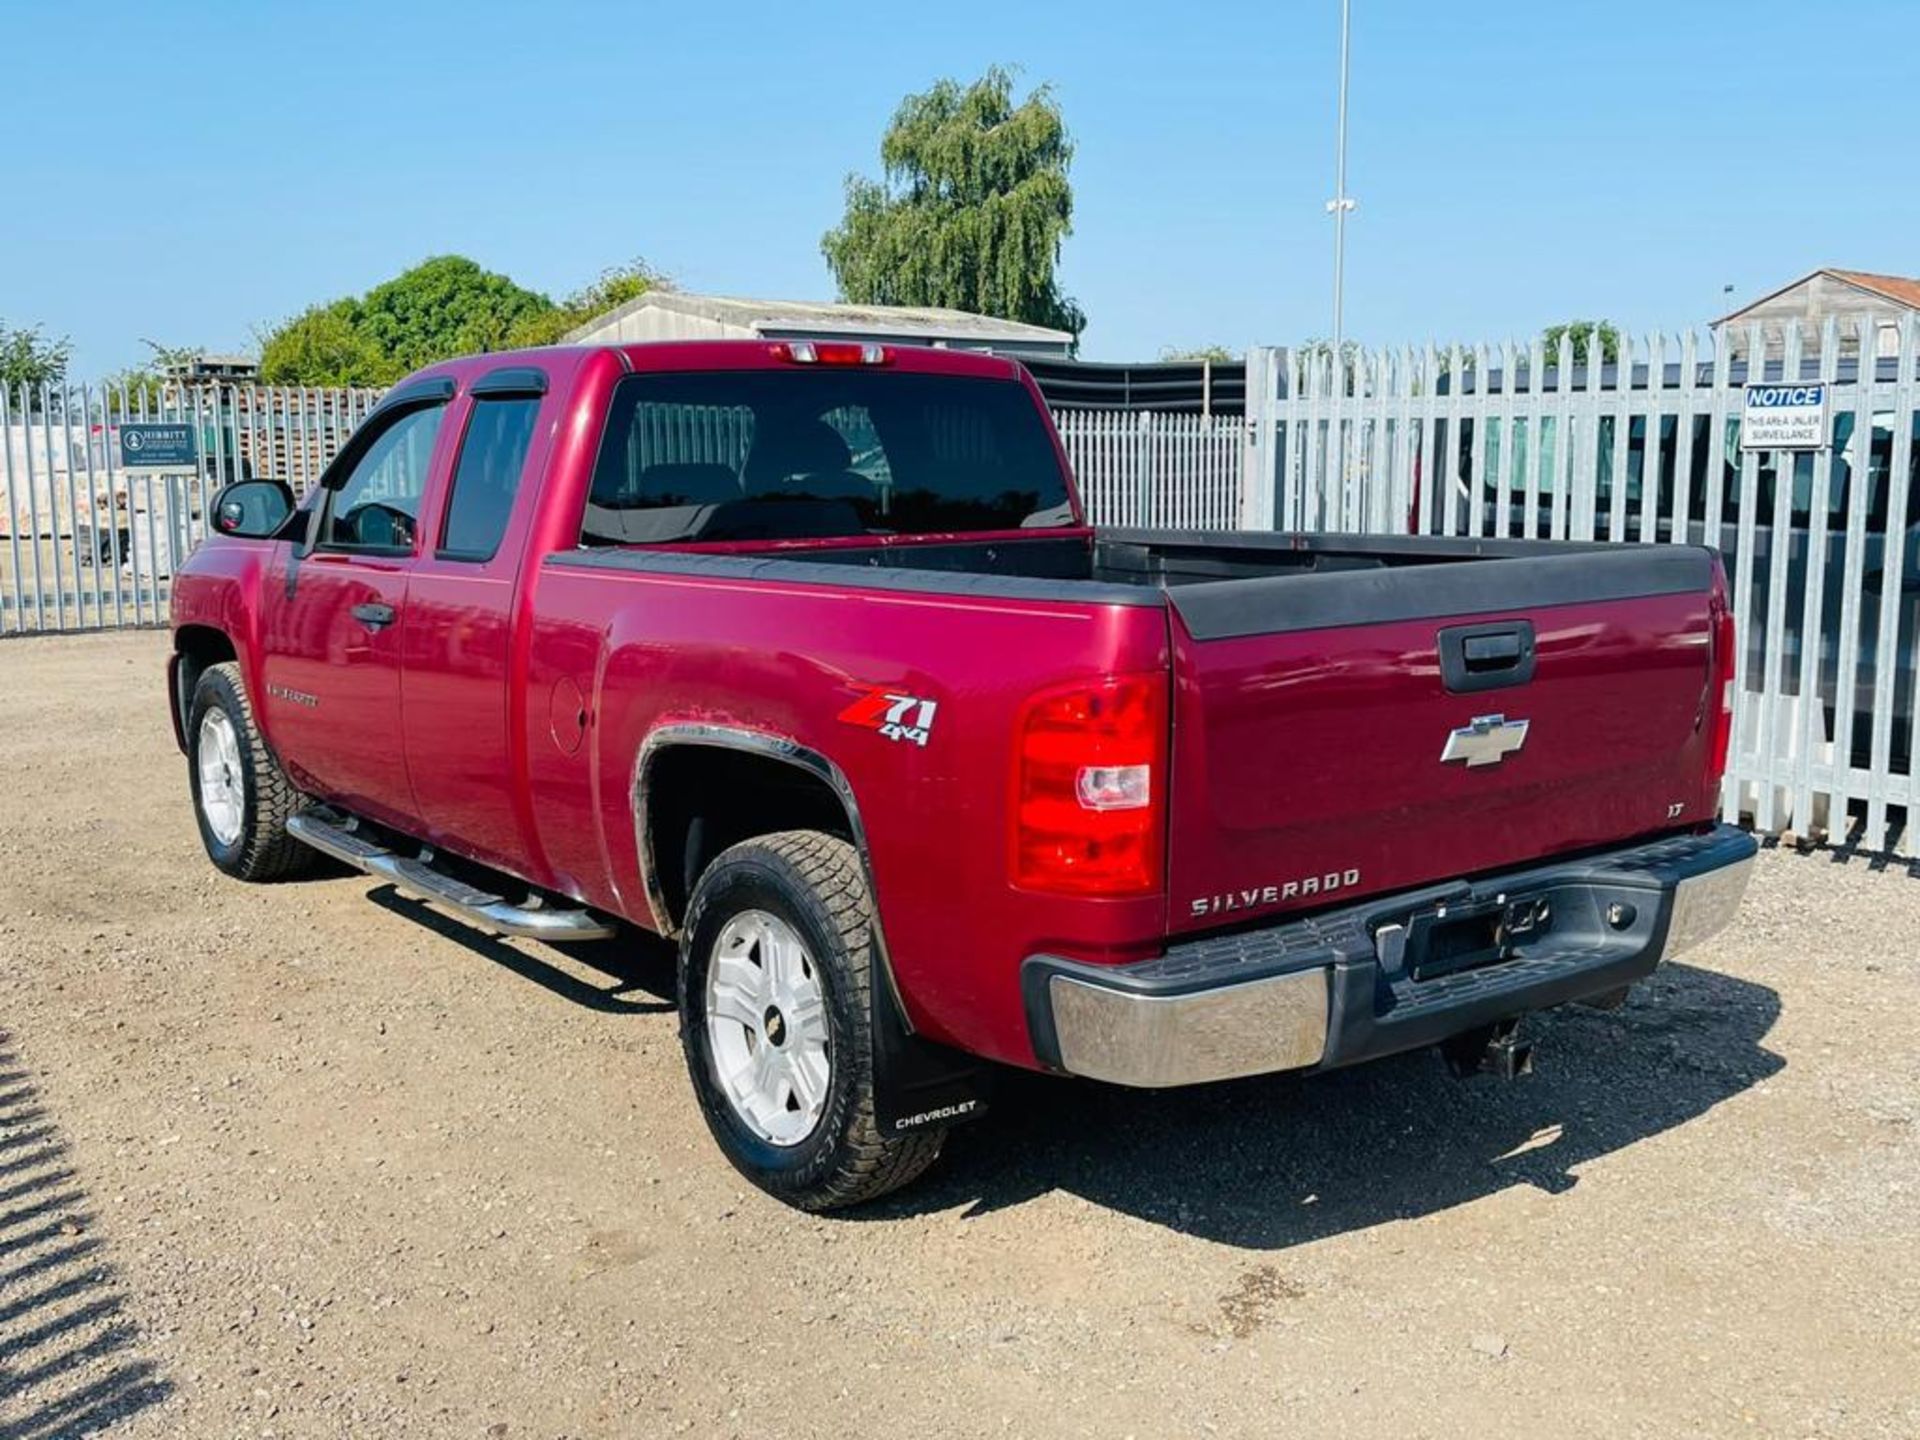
146, 445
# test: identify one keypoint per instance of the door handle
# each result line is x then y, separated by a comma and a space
375, 615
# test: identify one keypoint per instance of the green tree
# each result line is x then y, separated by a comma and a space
29, 358
1581, 332
1218, 354
324, 345
1320, 349
615, 286
972, 209
443, 307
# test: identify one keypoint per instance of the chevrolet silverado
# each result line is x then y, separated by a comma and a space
804, 656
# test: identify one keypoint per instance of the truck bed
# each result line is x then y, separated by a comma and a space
1162, 559
1318, 680
1208, 571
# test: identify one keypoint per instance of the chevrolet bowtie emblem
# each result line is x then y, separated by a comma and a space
1487, 741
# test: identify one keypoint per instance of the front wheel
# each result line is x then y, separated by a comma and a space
241, 797
776, 1022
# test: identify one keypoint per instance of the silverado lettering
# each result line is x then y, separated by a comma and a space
1276, 894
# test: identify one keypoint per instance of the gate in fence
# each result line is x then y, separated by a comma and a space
89, 540
1820, 543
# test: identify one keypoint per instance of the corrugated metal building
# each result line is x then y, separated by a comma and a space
1168, 387
672, 315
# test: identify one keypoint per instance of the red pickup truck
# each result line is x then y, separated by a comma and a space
804, 655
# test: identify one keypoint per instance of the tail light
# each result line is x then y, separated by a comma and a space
1089, 789
1720, 741
830, 352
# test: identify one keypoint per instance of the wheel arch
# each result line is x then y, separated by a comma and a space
195, 648
917, 1081
689, 805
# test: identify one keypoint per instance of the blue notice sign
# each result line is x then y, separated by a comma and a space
147, 445
1784, 417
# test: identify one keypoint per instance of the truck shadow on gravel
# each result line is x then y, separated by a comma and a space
69, 1361
614, 977
1273, 1162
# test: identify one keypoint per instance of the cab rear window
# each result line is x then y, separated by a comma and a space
744, 455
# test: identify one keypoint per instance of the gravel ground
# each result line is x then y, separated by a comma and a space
304, 1160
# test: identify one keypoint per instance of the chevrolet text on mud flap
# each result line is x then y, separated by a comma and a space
958, 1111
649, 607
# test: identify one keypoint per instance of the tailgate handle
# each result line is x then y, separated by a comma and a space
1486, 657
1493, 652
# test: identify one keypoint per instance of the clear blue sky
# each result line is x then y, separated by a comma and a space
188, 171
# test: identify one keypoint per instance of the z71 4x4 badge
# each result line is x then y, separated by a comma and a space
896, 716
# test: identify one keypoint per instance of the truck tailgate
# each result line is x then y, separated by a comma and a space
1348, 733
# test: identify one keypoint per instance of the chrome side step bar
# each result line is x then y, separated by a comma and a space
346, 843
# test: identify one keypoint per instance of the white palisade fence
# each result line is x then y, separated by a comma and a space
1500, 441
1178, 472
1512, 442
86, 543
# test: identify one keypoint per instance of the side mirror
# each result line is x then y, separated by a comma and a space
252, 509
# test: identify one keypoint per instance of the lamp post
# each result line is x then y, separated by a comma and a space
1339, 207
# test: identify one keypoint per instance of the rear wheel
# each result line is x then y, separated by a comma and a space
242, 799
775, 1019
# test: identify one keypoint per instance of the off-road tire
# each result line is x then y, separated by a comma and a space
815, 883
263, 850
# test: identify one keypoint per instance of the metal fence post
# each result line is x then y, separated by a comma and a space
1259, 467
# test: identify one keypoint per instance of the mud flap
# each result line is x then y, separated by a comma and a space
917, 1083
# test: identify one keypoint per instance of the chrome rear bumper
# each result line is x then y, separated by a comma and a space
1341, 986
1279, 1023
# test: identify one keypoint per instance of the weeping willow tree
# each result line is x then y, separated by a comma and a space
971, 211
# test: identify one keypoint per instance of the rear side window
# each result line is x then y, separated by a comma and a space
493, 453
737, 455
